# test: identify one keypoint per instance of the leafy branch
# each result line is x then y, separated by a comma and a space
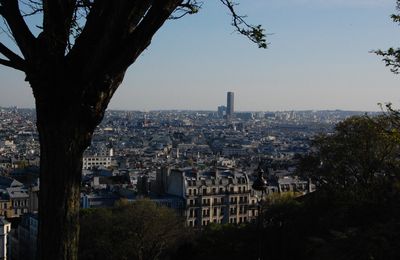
254, 33
391, 57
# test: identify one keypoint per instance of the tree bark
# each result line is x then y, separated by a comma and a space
64, 133
59, 196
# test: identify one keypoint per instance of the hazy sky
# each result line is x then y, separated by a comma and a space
318, 58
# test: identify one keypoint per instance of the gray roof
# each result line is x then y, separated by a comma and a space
6, 182
18, 193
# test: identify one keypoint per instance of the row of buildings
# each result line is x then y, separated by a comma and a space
195, 162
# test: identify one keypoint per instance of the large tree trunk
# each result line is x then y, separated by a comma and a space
60, 176
72, 88
65, 131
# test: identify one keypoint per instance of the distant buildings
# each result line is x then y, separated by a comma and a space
24, 238
96, 160
221, 111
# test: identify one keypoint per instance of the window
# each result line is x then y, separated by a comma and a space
190, 191
204, 191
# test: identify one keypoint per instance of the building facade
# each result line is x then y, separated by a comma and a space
91, 162
5, 228
217, 196
24, 238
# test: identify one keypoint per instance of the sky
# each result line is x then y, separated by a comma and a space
318, 58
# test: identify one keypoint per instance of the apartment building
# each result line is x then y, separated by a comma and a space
215, 196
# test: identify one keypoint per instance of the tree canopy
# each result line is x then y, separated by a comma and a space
360, 151
138, 230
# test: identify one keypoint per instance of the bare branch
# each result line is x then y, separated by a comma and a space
8, 53
254, 33
22, 35
7, 31
34, 7
11, 64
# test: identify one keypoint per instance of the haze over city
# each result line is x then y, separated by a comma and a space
318, 58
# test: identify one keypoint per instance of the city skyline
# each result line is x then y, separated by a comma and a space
319, 58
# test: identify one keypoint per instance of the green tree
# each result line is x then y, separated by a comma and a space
361, 151
74, 66
139, 230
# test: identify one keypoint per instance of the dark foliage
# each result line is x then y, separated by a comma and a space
139, 230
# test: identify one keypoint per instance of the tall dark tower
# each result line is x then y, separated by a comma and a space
230, 104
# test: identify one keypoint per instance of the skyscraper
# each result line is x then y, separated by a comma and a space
230, 104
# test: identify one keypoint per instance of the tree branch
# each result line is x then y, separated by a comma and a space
57, 21
14, 61
185, 8
31, 7
141, 37
23, 36
11, 65
254, 33
104, 35
391, 57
